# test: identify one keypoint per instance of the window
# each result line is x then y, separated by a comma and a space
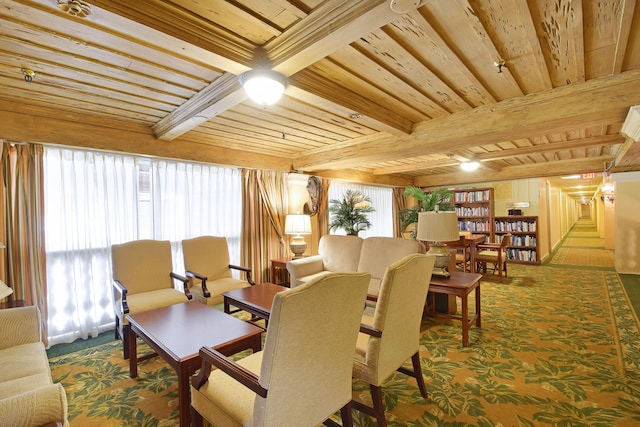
381, 200
96, 199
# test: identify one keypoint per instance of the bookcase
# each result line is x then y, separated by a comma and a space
524, 237
474, 207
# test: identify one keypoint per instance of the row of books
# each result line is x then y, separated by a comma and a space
472, 196
517, 226
527, 240
473, 226
527, 255
464, 211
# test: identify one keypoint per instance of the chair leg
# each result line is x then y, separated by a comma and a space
347, 415
125, 341
416, 373
196, 418
378, 407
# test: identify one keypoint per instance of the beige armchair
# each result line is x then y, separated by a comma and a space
28, 397
206, 261
142, 281
494, 254
392, 334
303, 375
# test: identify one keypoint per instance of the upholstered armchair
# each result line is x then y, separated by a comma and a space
143, 280
494, 254
28, 397
392, 335
206, 261
303, 375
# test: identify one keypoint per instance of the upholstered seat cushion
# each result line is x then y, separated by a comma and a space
221, 286
150, 300
226, 400
24, 367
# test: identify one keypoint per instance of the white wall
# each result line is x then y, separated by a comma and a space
627, 222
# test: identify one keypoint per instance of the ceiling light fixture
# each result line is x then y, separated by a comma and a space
264, 87
500, 63
75, 7
403, 6
28, 75
470, 165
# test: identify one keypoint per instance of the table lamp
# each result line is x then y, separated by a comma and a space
437, 227
5, 290
297, 224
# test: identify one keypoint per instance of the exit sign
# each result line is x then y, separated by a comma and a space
589, 175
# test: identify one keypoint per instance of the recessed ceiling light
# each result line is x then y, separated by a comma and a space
469, 165
571, 177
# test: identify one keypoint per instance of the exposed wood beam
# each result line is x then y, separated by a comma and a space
504, 154
35, 124
599, 101
555, 168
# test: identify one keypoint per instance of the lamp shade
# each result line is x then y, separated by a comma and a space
297, 224
264, 87
438, 226
5, 290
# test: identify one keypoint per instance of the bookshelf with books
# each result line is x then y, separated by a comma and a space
474, 207
524, 237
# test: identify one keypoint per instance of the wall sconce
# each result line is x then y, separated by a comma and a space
264, 87
28, 75
608, 188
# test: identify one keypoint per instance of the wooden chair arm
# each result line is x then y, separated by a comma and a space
370, 330
123, 291
491, 246
185, 283
242, 375
247, 270
203, 280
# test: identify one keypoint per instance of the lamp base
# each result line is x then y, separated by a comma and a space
441, 266
298, 246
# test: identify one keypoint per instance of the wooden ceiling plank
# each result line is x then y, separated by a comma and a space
321, 87
233, 53
390, 56
418, 37
625, 16
345, 113
561, 35
597, 101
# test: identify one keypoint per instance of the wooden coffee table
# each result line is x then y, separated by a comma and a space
461, 285
256, 299
177, 333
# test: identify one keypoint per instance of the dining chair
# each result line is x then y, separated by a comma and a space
494, 254
143, 280
303, 375
391, 335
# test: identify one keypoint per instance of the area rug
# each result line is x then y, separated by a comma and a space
555, 349
584, 257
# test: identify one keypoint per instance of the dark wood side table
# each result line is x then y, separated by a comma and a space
256, 299
279, 271
12, 303
461, 285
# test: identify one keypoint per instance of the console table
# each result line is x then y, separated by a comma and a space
461, 285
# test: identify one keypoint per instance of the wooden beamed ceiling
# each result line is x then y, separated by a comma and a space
374, 95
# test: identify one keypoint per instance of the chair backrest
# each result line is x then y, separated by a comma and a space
398, 312
142, 265
379, 252
308, 353
340, 253
207, 255
506, 241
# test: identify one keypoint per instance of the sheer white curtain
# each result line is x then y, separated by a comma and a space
95, 199
381, 200
191, 200
90, 203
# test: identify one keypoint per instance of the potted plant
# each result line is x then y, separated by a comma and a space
440, 198
350, 213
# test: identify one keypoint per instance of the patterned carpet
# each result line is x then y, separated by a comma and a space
584, 257
555, 349
591, 242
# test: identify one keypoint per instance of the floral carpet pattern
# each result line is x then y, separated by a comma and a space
557, 347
